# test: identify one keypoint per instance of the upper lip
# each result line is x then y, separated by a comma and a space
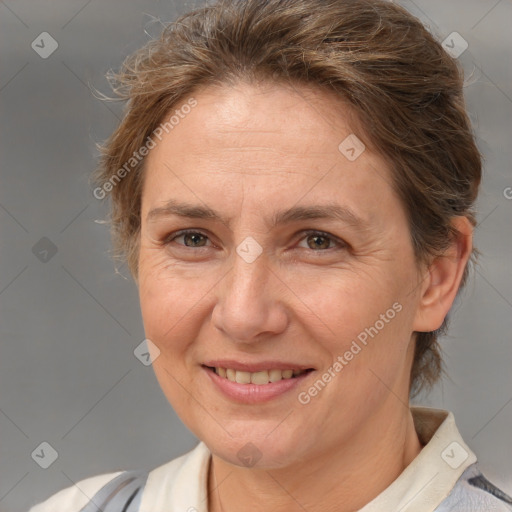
256, 367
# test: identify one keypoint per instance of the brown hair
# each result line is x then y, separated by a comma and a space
405, 89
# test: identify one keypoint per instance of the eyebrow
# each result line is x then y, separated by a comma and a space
296, 213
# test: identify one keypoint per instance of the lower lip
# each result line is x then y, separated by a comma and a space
254, 393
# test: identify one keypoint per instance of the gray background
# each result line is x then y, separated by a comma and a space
69, 325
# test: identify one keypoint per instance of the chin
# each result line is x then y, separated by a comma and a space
254, 450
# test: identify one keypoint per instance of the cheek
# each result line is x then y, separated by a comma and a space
366, 321
169, 298
346, 302
170, 306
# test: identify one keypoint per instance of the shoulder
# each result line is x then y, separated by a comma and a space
135, 490
474, 493
179, 484
75, 497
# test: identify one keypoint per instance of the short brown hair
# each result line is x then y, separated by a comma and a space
378, 58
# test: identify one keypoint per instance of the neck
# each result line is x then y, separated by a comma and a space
343, 480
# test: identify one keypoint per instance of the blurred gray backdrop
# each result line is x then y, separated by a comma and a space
70, 323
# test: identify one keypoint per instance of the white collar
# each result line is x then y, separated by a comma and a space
430, 477
182, 484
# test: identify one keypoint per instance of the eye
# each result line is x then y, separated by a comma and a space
319, 240
190, 238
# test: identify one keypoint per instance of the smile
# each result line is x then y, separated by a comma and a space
259, 378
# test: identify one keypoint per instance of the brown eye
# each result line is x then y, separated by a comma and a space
196, 239
318, 242
190, 239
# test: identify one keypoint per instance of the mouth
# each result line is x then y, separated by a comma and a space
259, 378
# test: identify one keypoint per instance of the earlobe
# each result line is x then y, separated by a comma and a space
443, 279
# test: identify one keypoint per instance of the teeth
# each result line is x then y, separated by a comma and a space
275, 375
259, 378
243, 377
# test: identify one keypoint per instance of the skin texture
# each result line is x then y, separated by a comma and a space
247, 151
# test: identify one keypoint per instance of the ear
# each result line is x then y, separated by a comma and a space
443, 279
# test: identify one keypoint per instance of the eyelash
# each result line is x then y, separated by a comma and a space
341, 244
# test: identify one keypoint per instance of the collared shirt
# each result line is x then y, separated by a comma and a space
444, 477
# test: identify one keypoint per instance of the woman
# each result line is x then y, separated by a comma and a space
292, 186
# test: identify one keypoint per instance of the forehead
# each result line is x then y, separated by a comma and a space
268, 142
296, 119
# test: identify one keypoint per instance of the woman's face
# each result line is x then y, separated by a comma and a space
265, 280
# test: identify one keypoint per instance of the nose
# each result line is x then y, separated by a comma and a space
250, 303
